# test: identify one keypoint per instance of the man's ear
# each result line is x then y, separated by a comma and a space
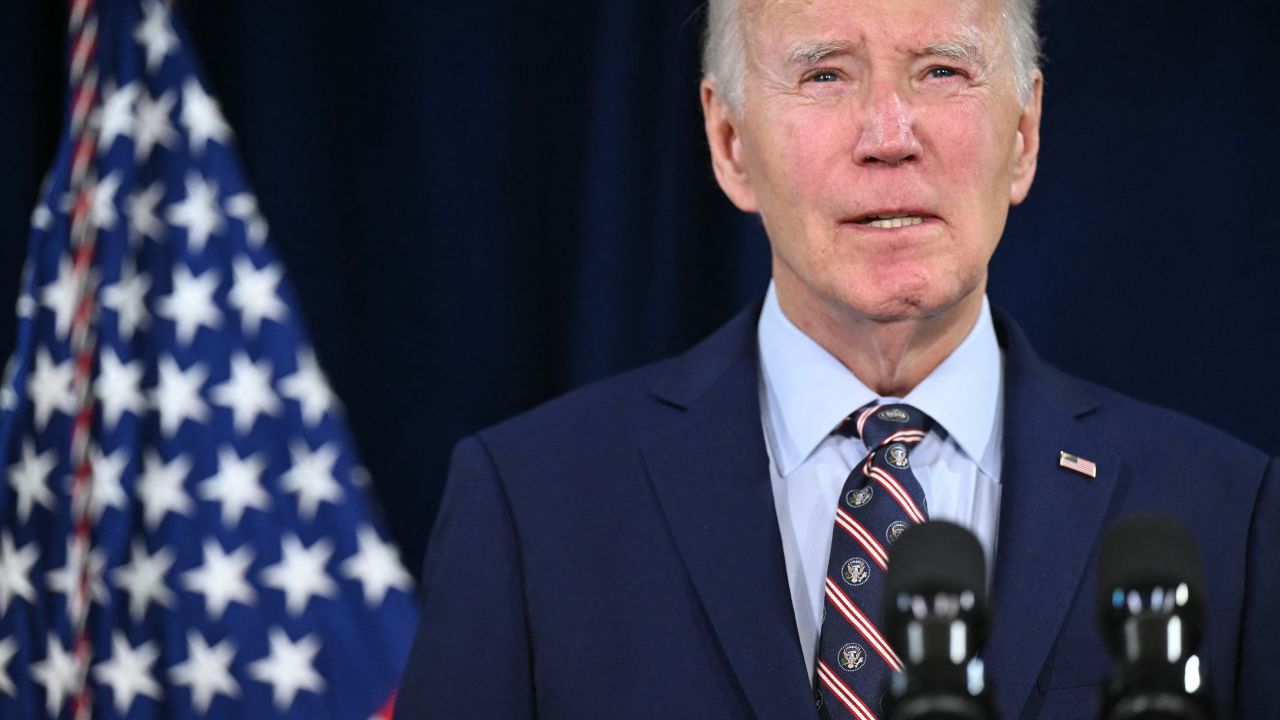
723, 137
1028, 142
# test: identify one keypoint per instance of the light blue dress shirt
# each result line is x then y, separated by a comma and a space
805, 392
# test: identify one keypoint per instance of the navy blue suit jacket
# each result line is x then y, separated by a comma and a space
615, 553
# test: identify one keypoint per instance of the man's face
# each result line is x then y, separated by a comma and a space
858, 111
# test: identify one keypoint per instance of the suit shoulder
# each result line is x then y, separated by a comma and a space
613, 414
599, 412
1166, 431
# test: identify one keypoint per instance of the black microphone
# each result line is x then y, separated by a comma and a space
1152, 613
936, 619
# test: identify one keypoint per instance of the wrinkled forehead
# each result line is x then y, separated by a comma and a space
773, 27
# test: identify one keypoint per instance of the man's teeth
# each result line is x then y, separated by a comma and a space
896, 222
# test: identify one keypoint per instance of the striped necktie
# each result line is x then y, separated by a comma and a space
880, 499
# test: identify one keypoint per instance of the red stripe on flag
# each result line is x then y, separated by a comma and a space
388, 709
1078, 464
79, 8
85, 45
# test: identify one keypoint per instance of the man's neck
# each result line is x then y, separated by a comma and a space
891, 357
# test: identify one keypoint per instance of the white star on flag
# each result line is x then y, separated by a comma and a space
156, 34
29, 479
247, 392
61, 296
119, 388
8, 648
301, 574
288, 668
201, 117
221, 578
376, 565
8, 390
177, 395
153, 126
207, 671
143, 579
244, 207
190, 306
128, 672
360, 478
311, 477
116, 119
41, 218
102, 210
308, 387
26, 307
66, 579
254, 294
126, 297
198, 212
15, 571
68, 201
237, 486
50, 388
160, 488
58, 672
108, 475
141, 208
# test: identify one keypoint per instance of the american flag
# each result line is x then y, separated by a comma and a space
183, 531
1077, 463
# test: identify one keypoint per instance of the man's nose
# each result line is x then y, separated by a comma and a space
888, 128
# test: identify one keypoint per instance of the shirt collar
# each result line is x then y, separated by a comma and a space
808, 392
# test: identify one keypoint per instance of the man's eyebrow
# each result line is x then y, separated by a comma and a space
812, 53
958, 50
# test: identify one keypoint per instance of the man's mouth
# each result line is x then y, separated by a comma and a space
891, 221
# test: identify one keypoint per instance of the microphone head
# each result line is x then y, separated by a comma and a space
935, 616
1147, 551
937, 556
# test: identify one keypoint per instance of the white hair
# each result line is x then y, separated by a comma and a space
724, 48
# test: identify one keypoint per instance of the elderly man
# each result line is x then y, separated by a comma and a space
706, 537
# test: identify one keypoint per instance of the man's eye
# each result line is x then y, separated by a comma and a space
824, 76
941, 72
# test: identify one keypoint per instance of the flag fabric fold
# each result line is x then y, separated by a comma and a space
183, 523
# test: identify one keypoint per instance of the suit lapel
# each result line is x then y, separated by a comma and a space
709, 469
1050, 517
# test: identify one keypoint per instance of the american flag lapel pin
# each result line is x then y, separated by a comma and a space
1074, 462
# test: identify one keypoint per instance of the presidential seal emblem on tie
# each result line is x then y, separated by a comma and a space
897, 415
896, 455
852, 657
895, 531
861, 496
855, 571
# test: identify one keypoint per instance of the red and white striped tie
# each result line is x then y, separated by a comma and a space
880, 499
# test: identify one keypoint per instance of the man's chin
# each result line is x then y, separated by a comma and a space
901, 305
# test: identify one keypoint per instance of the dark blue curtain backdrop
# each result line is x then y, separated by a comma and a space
485, 203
